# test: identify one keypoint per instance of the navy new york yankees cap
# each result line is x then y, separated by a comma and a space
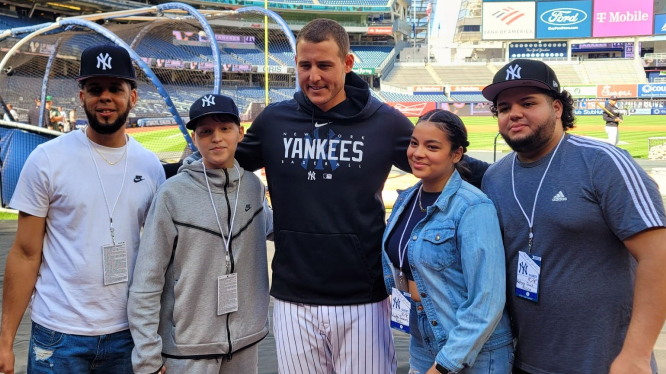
521, 73
106, 61
212, 104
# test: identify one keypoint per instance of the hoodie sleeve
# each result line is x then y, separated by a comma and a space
478, 169
268, 216
143, 306
248, 153
402, 130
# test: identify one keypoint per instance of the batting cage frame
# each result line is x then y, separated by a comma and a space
17, 140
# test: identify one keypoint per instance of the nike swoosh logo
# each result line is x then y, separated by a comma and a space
138, 179
321, 124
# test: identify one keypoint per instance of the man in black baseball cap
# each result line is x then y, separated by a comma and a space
78, 231
108, 90
584, 262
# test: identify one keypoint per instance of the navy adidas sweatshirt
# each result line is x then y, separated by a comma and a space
325, 173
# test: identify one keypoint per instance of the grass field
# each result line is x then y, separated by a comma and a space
169, 143
635, 130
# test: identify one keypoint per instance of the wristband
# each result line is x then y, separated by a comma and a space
442, 369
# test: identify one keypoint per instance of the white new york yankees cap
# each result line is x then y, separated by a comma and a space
520, 73
212, 104
107, 60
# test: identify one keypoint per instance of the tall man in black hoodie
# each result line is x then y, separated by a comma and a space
327, 154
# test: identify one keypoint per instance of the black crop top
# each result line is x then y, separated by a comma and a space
406, 224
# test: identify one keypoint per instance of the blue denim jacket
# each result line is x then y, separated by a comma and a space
457, 259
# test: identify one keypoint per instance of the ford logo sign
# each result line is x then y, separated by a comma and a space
563, 16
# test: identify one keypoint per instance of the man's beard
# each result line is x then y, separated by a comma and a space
537, 140
111, 128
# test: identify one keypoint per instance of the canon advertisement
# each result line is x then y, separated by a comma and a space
509, 20
622, 18
564, 19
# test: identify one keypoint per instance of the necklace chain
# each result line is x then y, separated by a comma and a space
104, 158
421, 206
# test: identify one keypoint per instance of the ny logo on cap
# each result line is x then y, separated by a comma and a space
105, 61
207, 101
513, 71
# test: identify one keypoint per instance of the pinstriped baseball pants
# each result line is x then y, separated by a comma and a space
342, 339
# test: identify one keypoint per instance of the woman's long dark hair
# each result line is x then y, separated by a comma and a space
454, 128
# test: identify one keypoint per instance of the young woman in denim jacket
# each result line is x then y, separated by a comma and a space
447, 233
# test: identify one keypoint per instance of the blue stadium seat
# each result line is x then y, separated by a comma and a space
371, 56
393, 96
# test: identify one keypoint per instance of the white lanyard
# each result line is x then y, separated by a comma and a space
217, 217
403, 250
530, 222
99, 176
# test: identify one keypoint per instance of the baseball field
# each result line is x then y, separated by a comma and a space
634, 134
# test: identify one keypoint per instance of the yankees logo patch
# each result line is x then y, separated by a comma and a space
207, 101
104, 61
513, 72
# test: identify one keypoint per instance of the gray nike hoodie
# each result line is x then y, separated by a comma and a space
173, 294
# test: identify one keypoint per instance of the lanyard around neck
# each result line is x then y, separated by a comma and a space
217, 217
530, 222
99, 177
402, 250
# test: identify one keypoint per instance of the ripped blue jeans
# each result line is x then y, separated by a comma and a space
54, 352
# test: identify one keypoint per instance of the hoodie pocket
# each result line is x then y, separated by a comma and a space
323, 264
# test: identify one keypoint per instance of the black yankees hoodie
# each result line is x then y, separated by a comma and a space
325, 173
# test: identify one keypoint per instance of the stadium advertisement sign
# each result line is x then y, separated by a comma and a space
273, 69
467, 89
364, 71
508, 20
588, 112
467, 109
428, 89
547, 49
652, 90
619, 90
413, 109
380, 30
582, 91
622, 18
565, 19
660, 24
659, 111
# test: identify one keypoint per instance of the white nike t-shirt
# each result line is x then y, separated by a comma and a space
59, 182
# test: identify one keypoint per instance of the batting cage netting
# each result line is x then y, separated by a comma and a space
175, 62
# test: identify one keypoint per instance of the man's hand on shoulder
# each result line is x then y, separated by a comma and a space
6, 359
627, 363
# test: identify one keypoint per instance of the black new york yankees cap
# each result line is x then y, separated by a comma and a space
212, 104
520, 73
106, 61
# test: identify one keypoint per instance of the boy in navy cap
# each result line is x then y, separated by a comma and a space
78, 231
199, 297
584, 235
